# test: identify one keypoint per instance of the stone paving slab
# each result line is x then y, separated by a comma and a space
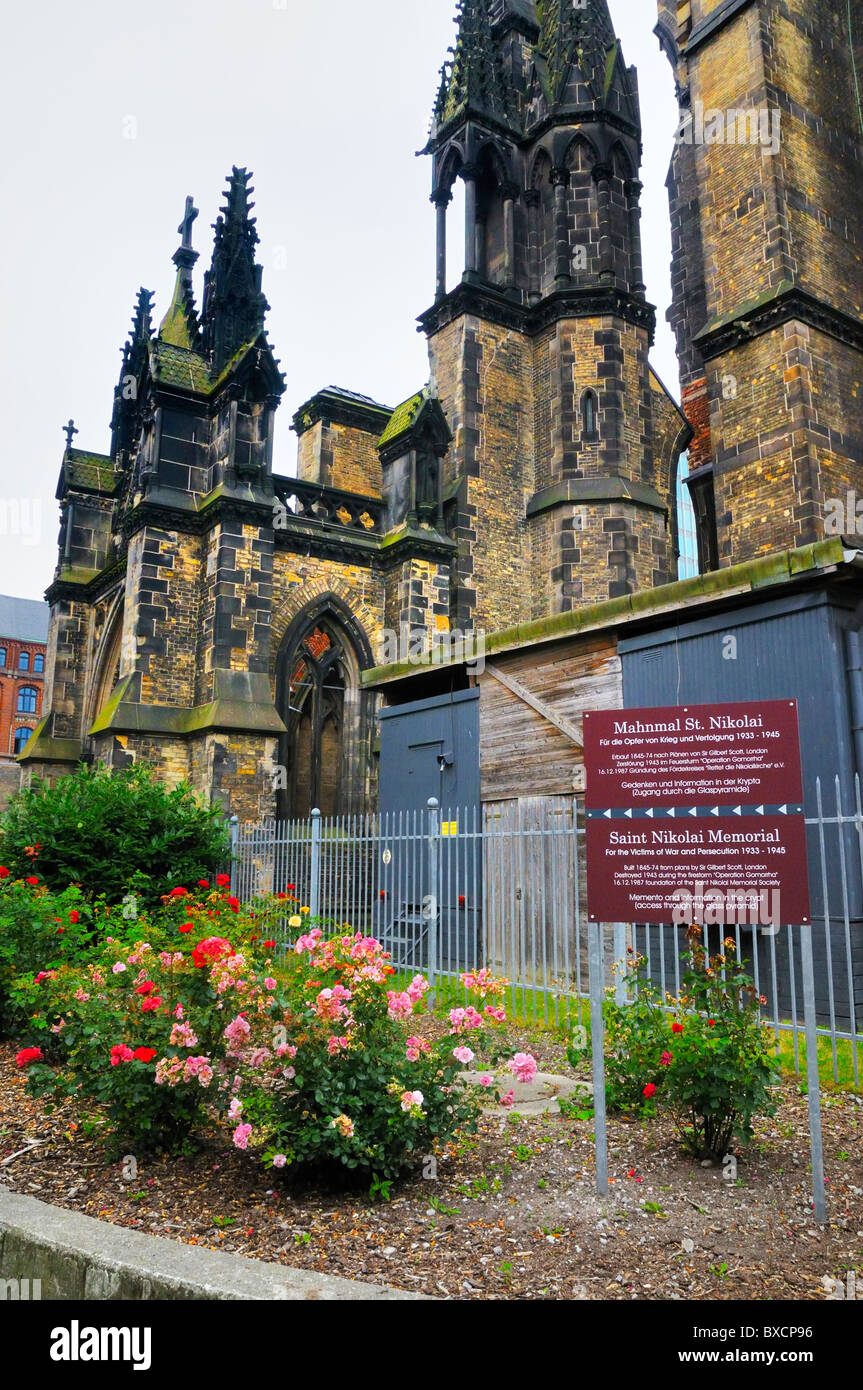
537, 1097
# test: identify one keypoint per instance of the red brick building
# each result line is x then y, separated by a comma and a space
23, 647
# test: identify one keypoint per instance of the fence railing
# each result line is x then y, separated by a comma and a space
504, 886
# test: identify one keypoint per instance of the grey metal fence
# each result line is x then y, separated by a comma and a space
503, 886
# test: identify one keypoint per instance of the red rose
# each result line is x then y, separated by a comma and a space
33, 882
711, 1023
223, 880
383, 893
677, 1027
74, 917
461, 899
282, 896
649, 1090
146, 988
179, 893
202, 883
59, 931
4, 873
234, 904
211, 949
269, 945
149, 1006
144, 1054
41, 977
290, 887
30, 1054
187, 926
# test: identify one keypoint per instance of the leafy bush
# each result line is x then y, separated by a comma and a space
310, 1060
343, 1080
39, 931
115, 832
723, 1063
705, 1055
636, 1040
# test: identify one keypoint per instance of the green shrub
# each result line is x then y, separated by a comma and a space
705, 1055
636, 1040
39, 932
724, 1063
112, 833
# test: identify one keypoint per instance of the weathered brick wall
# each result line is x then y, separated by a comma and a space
339, 455
786, 442
297, 580
236, 589
68, 666
484, 376
752, 222
10, 781
161, 619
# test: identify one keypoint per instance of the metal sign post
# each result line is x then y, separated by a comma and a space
813, 1081
597, 1047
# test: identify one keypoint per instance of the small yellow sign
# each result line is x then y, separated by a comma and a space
449, 827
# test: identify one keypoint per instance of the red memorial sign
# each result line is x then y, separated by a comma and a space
695, 814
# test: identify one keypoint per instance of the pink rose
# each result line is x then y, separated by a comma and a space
523, 1066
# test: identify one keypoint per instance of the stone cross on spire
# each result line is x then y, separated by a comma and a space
70, 431
185, 227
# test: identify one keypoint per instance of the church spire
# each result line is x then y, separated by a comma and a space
180, 327
234, 306
134, 352
474, 81
575, 45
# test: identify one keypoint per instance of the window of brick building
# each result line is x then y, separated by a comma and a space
24, 661
38, 664
22, 738
27, 698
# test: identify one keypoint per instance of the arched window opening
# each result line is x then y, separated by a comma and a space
490, 247
108, 664
687, 531
590, 416
38, 664
23, 661
28, 697
22, 738
325, 751
2, 657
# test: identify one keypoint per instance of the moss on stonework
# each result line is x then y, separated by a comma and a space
765, 572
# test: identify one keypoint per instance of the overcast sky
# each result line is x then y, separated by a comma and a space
114, 111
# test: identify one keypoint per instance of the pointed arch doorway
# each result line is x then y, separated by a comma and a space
326, 751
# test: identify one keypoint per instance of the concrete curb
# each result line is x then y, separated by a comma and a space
77, 1257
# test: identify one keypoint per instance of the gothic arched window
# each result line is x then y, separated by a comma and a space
325, 750
687, 529
589, 415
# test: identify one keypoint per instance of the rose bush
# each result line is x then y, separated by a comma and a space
39, 931
705, 1054
310, 1055
343, 1078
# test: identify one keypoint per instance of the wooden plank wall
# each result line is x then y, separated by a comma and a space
522, 754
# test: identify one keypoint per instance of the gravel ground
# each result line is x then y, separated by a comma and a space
510, 1213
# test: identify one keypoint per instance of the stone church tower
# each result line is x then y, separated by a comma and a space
766, 190
566, 444
212, 615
